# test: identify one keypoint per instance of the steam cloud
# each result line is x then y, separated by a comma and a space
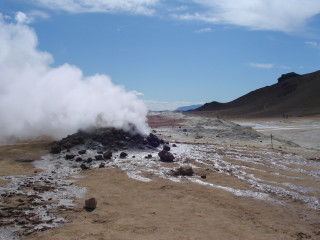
37, 99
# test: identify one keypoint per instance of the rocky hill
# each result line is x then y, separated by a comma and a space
293, 94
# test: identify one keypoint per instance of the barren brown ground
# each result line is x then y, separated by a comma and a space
162, 209
15, 159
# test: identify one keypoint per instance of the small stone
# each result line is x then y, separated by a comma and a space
98, 157
102, 165
166, 148
123, 155
89, 160
91, 203
84, 166
166, 156
203, 176
78, 159
81, 152
174, 145
107, 155
70, 156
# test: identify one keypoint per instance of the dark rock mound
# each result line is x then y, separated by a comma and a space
154, 141
166, 156
102, 138
55, 148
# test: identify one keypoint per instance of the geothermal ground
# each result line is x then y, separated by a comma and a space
244, 185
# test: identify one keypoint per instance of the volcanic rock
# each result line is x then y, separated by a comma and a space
84, 166
107, 155
79, 159
98, 157
166, 156
89, 160
70, 156
108, 137
55, 148
123, 155
166, 148
102, 165
81, 152
91, 203
153, 140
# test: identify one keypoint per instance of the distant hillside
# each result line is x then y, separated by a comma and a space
188, 108
294, 94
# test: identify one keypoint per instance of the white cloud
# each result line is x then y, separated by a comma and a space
286, 16
203, 30
21, 17
144, 7
312, 44
262, 65
38, 14
30, 17
137, 93
38, 99
275, 15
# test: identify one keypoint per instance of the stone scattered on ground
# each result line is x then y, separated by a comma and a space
81, 152
91, 203
84, 166
123, 155
107, 155
166, 148
166, 156
70, 156
98, 157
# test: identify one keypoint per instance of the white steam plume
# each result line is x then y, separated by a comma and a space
37, 99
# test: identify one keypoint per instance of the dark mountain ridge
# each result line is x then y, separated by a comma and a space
294, 94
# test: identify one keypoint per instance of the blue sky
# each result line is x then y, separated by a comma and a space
176, 53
